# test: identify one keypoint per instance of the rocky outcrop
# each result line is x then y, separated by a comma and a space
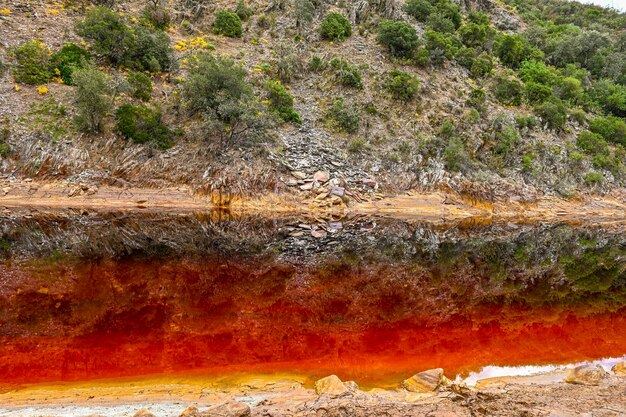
330, 385
586, 375
620, 369
426, 381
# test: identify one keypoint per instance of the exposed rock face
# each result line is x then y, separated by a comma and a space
620, 369
331, 385
586, 375
426, 381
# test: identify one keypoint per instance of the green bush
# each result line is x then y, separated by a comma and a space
110, 36
157, 16
482, 65
69, 57
513, 50
317, 64
281, 101
142, 124
536, 92
32, 63
401, 85
152, 51
243, 11
591, 143
537, 72
553, 112
5, 133
465, 57
474, 35
612, 129
141, 86
454, 155
610, 96
571, 90
227, 24
419, 9
346, 74
593, 178
335, 27
508, 90
477, 98
439, 46
438, 22
92, 97
507, 138
527, 122
344, 117
399, 37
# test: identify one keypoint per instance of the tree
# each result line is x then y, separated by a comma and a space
419, 9
92, 97
399, 37
111, 37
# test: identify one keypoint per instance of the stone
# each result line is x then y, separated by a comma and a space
190, 412
338, 191
425, 381
619, 368
321, 176
144, 412
299, 175
319, 233
307, 187
228, 409
292, 183
330, 385
369, 182
352, 386
335, 200
586, 375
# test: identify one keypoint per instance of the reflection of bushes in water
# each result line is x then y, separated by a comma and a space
596, 269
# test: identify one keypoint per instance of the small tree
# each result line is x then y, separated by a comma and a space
111, 37
92, 97
33, 63
419, 9
227, 24
399, 37
553, 112
335, 27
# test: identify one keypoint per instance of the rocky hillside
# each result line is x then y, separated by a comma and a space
483, 97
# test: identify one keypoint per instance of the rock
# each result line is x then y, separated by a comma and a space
144, 412
586, 375
338, 191
321, 176
369, 182
299, 175
620, 368
319, 233
426, 381
331, 385
228, 409
307, 187
292, 183
352, 386
336, 200
190, 412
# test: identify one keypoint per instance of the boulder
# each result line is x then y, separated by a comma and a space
331, 385
425, 381
620, 368
352, 386
338, 191
298, 175
586, 375
228, 409
190, 412
321, 176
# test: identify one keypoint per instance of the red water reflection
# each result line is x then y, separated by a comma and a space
79, 321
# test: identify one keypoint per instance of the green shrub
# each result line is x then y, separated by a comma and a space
141, 86
553, 112
537, 72
482, 65
92, 97
142, 124
110, 36
439, 46
243, 11
507, 138
401, 85
447, 129
317, 64
438, 22
571, 90
64, 61
281, 101
419, 9
537, 93
528, 121
227, 24
344, 117
152, 51
579, 116
612, 129
513, 50
399, 37
346, 74
454, 154
32, 63
335, 27
610, 96
592, 143
474, 35
450, 11
5, 133
477, 98
593, 178
608, 162
465, 57
508, 90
